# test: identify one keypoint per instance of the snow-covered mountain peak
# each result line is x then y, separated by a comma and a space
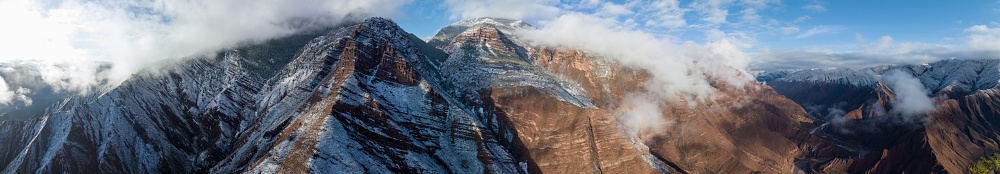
503, 22
387, 26
446, 34
855, 77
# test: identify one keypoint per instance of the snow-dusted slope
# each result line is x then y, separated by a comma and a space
360, 98
484, 56
154, 122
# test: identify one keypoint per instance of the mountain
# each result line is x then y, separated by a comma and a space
366, 96
855, 109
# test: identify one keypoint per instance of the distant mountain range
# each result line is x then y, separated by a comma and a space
368, 97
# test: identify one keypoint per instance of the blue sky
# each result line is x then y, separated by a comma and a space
927, 21
887, 32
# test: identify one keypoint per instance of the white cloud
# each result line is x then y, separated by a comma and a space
641, 112
750, 15
801, 18
613, 10
587, 4
673, 65
912, 98
668, 13
8, 95
712, 11
30, 34
981, 42
982, 37
884, 44
819, 30
513, 9
814, 8
885, 52
68, 40
789, 30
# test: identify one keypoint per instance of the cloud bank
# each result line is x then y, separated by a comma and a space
8, 95
673, 65
980, 42
982, 37
884, 51
67, 41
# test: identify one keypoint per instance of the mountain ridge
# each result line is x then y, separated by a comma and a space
368, 96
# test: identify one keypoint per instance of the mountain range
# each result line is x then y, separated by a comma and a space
368, 97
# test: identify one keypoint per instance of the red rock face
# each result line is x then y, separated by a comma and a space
743, 130
488, 36
749, 129
962, 130
564, 138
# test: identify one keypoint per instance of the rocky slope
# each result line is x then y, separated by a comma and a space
369, 97
856, 110
352, 100
567, 104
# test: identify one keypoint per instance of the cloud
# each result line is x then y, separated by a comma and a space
814, 8
884, 44
789, 30
750, 15
981, 42
912, 98
776, 59
588, 3
668, 13
801, 18
513, 9
640, 112
672, 64
982, 37
67, 41
819, 30
614, 10
712, 11
8, 95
